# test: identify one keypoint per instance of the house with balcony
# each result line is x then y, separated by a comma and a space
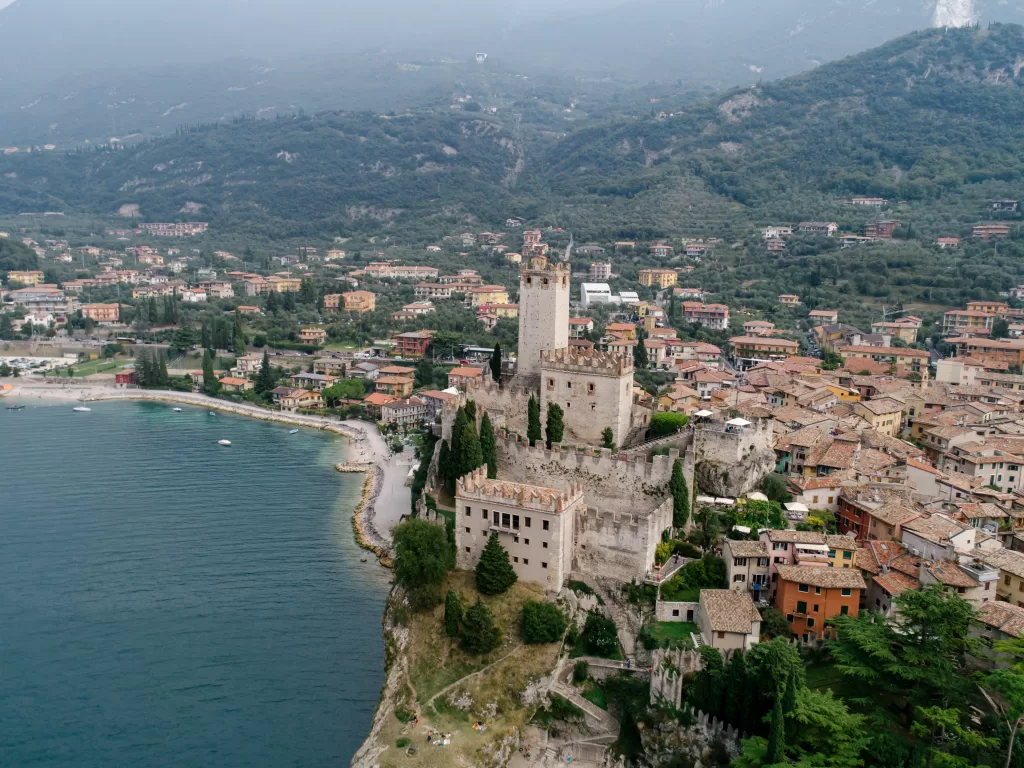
747, 566
810, 597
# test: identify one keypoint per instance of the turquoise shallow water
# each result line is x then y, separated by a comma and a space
168, 602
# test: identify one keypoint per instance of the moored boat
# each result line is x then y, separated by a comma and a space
225, 443
81, 409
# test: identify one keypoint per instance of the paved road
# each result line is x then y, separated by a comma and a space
395, 497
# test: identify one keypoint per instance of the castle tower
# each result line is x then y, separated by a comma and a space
594, 390
543, 312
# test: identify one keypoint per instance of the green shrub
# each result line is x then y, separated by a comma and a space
542, 622
579, 672
600, 635
403, 742
666, 424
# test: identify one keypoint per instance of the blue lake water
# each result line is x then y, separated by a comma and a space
165, 601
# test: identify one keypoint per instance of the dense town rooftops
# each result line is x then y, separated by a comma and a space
817, 576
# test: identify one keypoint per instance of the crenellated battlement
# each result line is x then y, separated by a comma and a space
594, 460
541, 266
477, 487
587, 361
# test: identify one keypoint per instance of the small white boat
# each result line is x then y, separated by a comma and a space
176, 410
292, 431
81, 409
224, 442
213, 413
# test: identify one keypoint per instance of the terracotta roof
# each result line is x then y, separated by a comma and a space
1005, 617
1007, 560
747, 548
728, 610
895, 583
980, 510
378, 398
894, 513
937, 528
467, 372
796, 537
816, 576
949, 574
840, 542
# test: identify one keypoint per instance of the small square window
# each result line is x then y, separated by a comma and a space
467, 549
484, 514
817, 590
545, 545
546, 524
846, 592
721, 635
810, 623
526, 561
467, 530
469, 511
804, 588
515, 539
515, 559
527, 522
675, 611
543, 565
844, 610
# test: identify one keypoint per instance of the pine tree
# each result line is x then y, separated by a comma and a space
272, 303
680, 496
452, 613
6, 327
496, 362
556, 424
533, 433
488, 446
777, 734
479, 635
446, 468
494, 573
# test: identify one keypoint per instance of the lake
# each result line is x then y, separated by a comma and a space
165, 601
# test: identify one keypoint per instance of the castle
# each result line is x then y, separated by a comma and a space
574, 510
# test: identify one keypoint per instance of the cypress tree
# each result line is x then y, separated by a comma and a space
452, 614
533, 433
640, 350
789, 700
777, 734
556, 424
211, 385
239, 337
680, 496
470, 454
271, 304
737, 687
496, 362
471, 411
163, 379
265, 378
445, 469
494, 573
488, 446
479, 635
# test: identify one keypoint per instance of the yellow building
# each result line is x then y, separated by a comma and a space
991, 307
312, 335
845, 395
488, 294
1010, 587
966, 320
882, 413
663, 278
284, 284
25, 277
789, 299
901, 331
359, 301
762, 347
396, 386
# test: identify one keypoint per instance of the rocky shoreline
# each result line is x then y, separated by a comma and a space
366, 533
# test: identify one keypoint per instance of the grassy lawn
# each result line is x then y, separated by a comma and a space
687, 595
675, 631
100, 366
580, 649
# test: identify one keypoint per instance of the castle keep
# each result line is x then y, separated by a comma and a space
543, 312
594, 389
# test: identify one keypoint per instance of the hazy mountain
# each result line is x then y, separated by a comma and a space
935, 119
77, 69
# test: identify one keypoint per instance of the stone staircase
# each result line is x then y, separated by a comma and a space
598, 720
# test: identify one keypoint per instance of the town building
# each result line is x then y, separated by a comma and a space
810, 597
600, 272
317, 382
747, 566
823, 228
712, 316
750, 350
965, 321
312, 335
789, 299
826, 316
233, 384
594, 390
412, 344
102, 313
359, 301
988, 232
25, 278
728, 620
534, 524
396, 386
463, 377
662, 278
405, 413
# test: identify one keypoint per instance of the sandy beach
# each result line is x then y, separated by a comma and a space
385, 496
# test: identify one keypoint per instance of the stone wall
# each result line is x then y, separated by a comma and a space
506, 405
594, 390
669, 668
618, 545
733, 463
611, 481
663, 610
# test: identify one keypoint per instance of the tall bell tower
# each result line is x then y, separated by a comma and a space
543, 312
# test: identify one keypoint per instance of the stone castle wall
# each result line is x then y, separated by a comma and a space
611, 481
618, 545
733, 463
543, 312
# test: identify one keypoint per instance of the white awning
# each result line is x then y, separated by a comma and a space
725, 502
814, 547
796, 506
705, 499
757, 496
704, 414
741, 529
738, 423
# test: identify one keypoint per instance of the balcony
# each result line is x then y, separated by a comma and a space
980, 572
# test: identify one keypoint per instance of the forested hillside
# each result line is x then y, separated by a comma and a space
334, 173
935, 119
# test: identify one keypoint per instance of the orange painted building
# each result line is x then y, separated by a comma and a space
809, 596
